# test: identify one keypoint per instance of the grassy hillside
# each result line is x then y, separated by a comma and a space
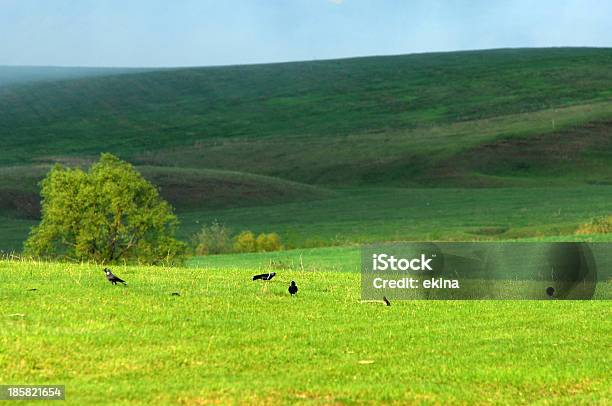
226, 339
375, 214
299, 148
135, 113
185, 188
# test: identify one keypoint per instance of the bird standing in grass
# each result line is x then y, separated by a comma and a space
293, 288
387, 302
264, 276
113, 278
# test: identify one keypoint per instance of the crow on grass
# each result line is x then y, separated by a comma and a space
387, 302
113, 278
293, 288
264, 276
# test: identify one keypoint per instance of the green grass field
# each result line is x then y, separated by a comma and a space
329, 259
227, 339
512, 144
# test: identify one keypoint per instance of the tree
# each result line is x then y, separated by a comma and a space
108, 214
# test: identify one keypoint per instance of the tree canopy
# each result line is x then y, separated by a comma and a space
108, 214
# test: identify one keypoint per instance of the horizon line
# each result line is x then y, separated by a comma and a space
169, 67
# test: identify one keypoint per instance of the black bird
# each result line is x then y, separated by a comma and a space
175, 294
264, 276
113, 278
550, 291
32, 290
293, 288
386, 301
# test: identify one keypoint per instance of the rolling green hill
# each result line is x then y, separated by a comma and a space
309, 144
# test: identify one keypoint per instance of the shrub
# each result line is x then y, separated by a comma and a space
268, 242
245, 242
597, 225
213, 239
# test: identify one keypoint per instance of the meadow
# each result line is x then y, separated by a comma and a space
227, 339
509, 144
330, 259
394, 214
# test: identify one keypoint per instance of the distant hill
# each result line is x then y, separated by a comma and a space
421, 106
10, 75
222, 137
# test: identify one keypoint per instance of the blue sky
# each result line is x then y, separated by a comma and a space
204, 32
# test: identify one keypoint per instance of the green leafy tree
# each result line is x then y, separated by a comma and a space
108, 214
